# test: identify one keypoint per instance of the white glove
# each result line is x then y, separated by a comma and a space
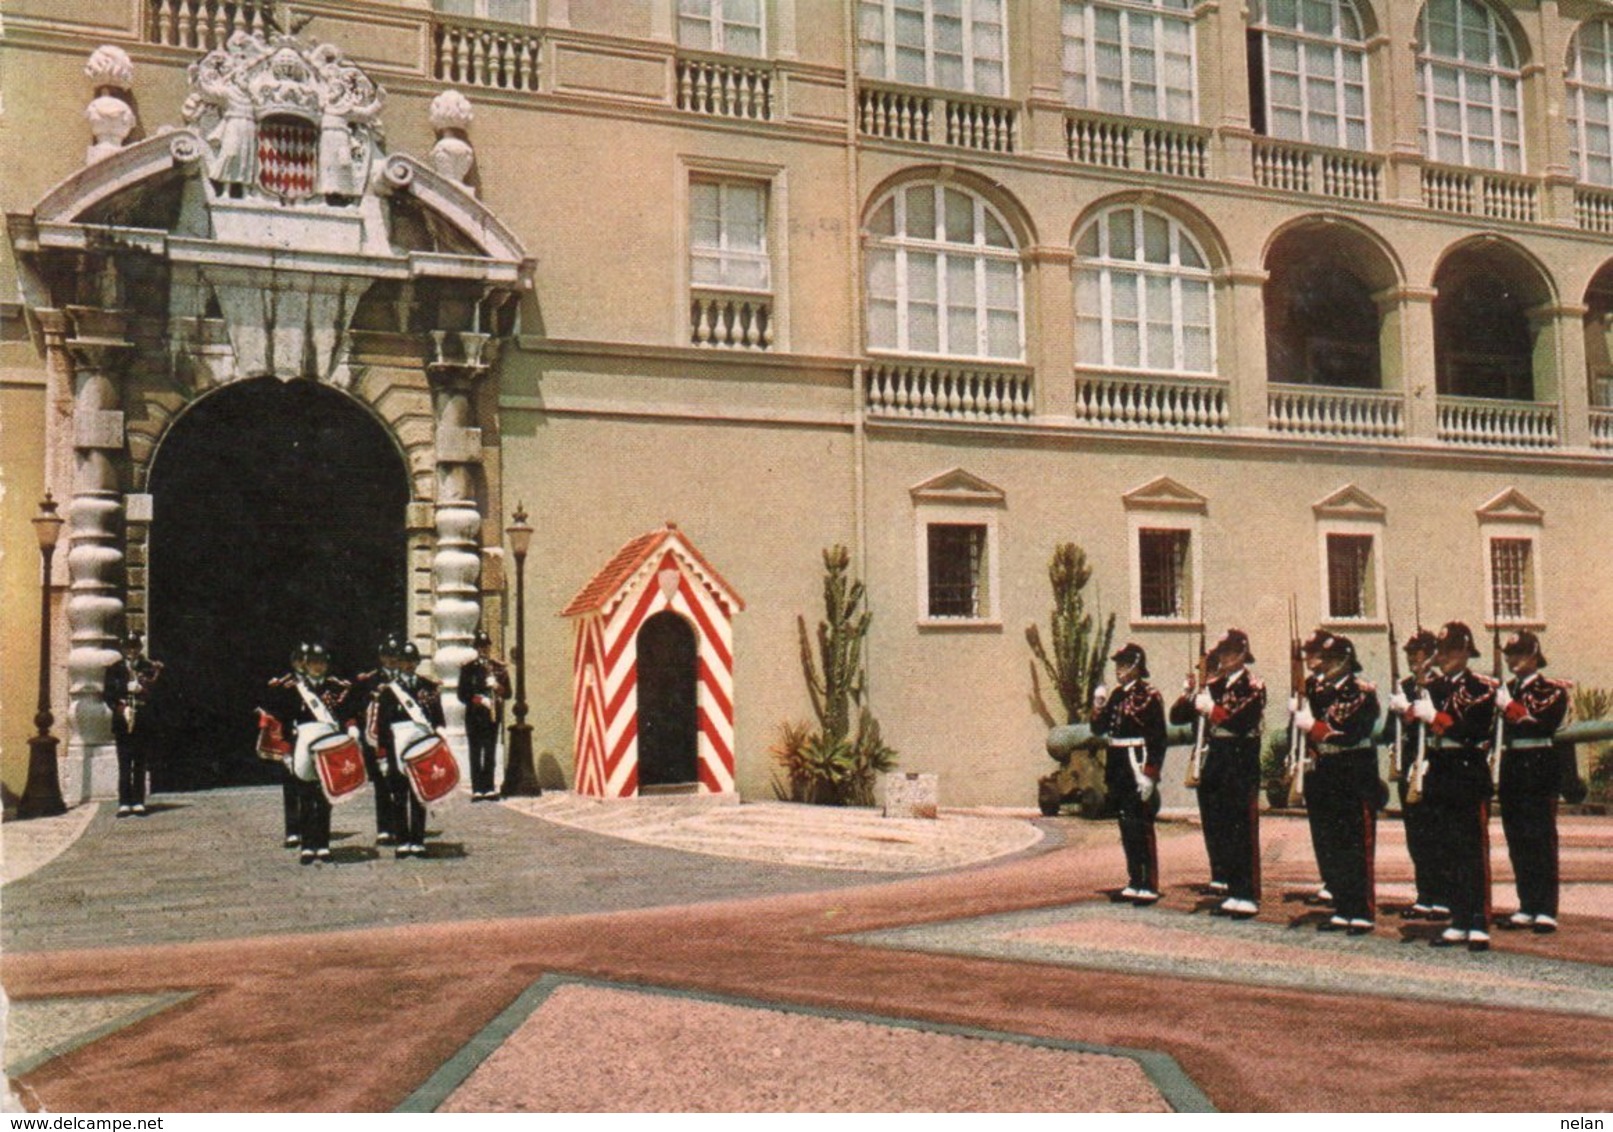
1303, 719
1145, 788
1293, 704
1502, 697
352, 733
1399, 704
1100, 696
1204, 703
1423, 709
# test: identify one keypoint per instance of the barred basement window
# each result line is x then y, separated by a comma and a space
1512, 596
1163, 565
957, 553
1350, 585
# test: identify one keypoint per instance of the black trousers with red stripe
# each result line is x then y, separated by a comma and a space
1423, 848
1457, 792
1530, 779
1137, 839
1229, 790
1341, 797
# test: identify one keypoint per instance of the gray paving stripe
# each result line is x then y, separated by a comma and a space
1173, 1082
210, 866
40, 1029
1510, 979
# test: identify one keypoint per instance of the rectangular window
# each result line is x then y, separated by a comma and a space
505, 11
1351, 588
952, 44
728, 235
957, 553
1163, 572
1512, 596
732, 27
1130, 58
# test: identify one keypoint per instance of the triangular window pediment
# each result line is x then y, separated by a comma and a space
1511, 506
1164, 494
958, 486
1350, 502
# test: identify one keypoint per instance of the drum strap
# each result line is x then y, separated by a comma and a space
410, 706
316, 706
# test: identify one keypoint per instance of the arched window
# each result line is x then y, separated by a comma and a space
1311, 72
943, 276
1484, 338
1590, 102
1467, 86
951, 44
1142, 294
1131, 57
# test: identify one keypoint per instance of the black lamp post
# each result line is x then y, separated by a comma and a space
520, 780
42, 797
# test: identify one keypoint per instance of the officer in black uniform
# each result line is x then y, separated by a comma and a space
1133, 719
126, 689
410, 698
366, 686
1460, 714
484, 685
1534, 707
1232, 702
1427, 855
315, 697
1338, 719
274, 702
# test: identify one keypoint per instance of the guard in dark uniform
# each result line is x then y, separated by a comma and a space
1232, 703
366, 686
1427, 855
415, 699
126, 689
315, 697
1322, 843
1133, 719
1460, 713
274, 703
484, 685
1534, 707
1339, 718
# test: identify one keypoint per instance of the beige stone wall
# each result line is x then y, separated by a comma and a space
22, 456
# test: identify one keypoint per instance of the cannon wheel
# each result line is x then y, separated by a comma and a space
1049, 798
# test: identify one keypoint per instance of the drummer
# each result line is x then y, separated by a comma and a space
309, 707
405, 709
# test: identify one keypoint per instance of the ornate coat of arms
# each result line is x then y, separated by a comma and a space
285, 119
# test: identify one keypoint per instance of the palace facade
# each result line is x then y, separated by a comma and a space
1285, 298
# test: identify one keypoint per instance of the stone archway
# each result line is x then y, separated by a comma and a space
278, 516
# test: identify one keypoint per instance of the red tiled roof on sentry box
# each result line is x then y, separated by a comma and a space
625, 563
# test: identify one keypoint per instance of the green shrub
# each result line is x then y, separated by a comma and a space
1597, 703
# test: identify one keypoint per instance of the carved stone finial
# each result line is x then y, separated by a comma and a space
452, 156
111, 118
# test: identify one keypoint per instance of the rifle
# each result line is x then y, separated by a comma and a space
1295, 771
1499, 673
1195, 761
1396, 749
1419, 765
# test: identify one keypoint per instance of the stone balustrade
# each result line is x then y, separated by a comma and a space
941, 118
1295, 168
1593, 210
734, 321
1151, 404
949, 391
1486, 423
1135, 143
725, 88
482, 53
1602, 429
203, 24
1497, 196
1343, 414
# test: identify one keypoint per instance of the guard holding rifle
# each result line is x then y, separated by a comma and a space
127, 691
484, 685
1410, 737
1460, 712
1230, 706
1533, 708
1337, 719
1133, 719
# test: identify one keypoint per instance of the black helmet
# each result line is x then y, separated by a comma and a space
409, 651
1135, 656
390, 646
1455, 636
1336, 646
482, 640
1235, 641
316, 652
1524, 643
133, 642
1421, 641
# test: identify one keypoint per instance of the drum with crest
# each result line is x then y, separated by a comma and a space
340, 765
432, 770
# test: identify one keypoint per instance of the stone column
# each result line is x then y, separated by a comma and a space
1241, 318
1560, 370
460, 358
99, 348
1407, 349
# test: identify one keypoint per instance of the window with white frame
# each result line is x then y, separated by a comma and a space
944, 276
950, 44
1468, 82
1164, 573
506, 11
1131, 57
1512, 579
1312, 72
1590, 102
733, 27
1143, 294
1352, 584
956, 554
728, 235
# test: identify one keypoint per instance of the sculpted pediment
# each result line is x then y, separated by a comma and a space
1349, 502
1164, 494
957, 486
1511, 506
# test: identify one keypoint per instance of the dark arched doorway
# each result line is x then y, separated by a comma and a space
277, 517
668, 730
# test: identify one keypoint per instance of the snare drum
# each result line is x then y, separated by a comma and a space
340, 765
432, 769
